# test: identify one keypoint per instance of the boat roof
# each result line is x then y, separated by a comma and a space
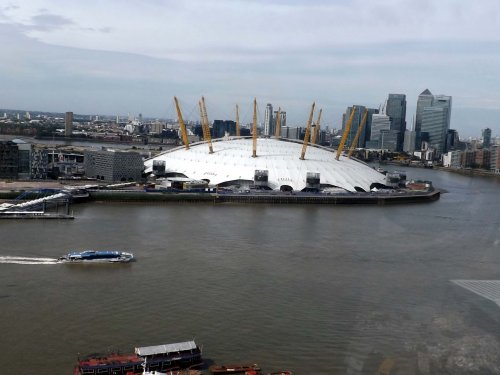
103, 360
98, 252
166, 348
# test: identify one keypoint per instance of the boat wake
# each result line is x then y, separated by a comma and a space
27, 260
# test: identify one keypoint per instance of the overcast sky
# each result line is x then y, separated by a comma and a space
133, 56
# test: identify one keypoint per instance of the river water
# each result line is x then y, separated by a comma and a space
313, 289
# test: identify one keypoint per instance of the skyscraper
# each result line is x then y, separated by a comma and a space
275, 120
486, 138
268, 120
433, 120
409, 141
424, 100
68, 124
356, 122
396, 110
379, 122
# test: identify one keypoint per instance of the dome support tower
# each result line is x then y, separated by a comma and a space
308, 133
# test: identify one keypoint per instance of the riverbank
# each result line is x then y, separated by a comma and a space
462, 171
385, 198
469, 172
12, 190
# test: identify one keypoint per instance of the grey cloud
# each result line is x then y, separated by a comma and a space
49, 22
10, 7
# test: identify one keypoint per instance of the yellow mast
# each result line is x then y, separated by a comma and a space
346, 132
316, 129
181, 124
254, 129
308, 133
204, 126
355, 142
277, 131
237, 121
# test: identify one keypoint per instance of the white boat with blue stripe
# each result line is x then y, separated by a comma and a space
97, 256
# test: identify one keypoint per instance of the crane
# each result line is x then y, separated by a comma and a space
237, 121
254, 129
346, 133
316, 129
277, 131
358, 132
181, 124
308, 133
204, 125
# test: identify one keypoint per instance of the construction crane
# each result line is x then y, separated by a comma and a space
277, 131
254, 129
308, 133
181, 124
346, 133
316, 128
358, 132
204, 125
237, 121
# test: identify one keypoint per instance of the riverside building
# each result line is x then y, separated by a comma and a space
111, 165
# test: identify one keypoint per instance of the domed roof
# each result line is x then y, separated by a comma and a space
232, 161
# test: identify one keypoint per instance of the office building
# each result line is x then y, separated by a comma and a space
268, 120
433, 121
368, 124
222, 127
356, 122
495, 158
111, 165
424, 100
379, 122
486, 137
452, 140
396, 110
68, 124
482, 158
409, 141
282, 120
39, 163
389, 139
290, 132
9, 159
434, 125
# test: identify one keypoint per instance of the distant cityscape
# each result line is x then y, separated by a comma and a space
380, 134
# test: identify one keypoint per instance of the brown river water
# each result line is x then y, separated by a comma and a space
312, 289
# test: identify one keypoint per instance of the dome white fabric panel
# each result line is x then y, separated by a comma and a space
232, 160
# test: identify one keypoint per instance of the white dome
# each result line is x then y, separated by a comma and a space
232, 160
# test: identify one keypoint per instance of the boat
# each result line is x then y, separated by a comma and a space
234, 369
163, 359
174, 372
97, 256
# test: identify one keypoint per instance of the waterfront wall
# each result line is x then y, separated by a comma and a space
344, 199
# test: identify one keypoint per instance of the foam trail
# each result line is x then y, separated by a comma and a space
26, 260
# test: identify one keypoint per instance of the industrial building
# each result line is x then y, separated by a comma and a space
277, 165
111, 165
21, 160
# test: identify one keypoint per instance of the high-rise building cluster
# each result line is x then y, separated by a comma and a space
430, 138
271, 120
385, 128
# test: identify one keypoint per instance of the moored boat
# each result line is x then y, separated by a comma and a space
157, 360
97, 256
234, 369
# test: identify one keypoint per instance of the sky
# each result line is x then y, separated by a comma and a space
118, 57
